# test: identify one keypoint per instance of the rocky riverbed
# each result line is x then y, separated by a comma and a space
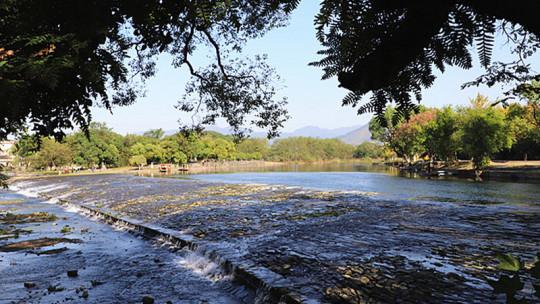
51, 255
337, 247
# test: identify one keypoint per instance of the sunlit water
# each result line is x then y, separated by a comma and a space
387, 184
372, 225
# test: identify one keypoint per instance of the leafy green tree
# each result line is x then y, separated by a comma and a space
137, 160
26, 146
391, 49
100, 147
531, 93
153, 153
309, 149
381, 127
440, 135
252, 148
407, 140
216, 148
522, 125
59, 58
52, 154
369, 150
172, 151
483, 133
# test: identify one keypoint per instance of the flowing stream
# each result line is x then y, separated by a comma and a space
346, 235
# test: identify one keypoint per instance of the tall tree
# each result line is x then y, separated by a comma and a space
407, 140
100, 147
441, 138
52, 154
484, 132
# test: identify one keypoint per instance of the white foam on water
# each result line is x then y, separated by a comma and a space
73, 209
26, 189
52, 201
203, 266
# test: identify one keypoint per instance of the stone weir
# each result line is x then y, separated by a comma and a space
266, 286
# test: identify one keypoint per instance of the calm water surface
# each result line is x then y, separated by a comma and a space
386, 183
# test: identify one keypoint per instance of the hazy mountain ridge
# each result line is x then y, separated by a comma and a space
353, 135
357, 136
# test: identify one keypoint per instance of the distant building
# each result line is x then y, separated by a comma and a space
6, 157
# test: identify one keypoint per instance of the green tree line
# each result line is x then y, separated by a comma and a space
479, 132
102, 148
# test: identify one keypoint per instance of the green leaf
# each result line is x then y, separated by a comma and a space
509, 262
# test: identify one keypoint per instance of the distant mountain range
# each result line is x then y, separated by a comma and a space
354, 135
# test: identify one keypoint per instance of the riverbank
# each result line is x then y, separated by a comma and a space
498, 169
195, 168
311, 243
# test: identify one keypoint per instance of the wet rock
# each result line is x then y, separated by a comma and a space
29, 285
52, 251
84, 294
72, 273
148, 300
364, 280
37, 243
54, 288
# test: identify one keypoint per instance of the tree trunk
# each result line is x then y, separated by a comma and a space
478, 173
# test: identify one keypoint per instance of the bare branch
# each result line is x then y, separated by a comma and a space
218, 53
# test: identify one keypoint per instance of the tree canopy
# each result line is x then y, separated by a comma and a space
60, 58
391, 48
479, 132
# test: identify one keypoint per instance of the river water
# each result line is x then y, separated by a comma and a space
387, 183
350, 234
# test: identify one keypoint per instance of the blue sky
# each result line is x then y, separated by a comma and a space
312, 101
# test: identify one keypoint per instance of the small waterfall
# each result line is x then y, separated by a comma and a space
244, 284
200, 264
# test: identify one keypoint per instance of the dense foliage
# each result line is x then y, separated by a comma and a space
369, 150
59, 58
478, 132
391, 48
105, 148
309, 149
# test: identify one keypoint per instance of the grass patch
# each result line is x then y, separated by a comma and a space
12, 233
23, 218
66, 229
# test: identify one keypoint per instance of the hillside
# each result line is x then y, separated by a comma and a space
357, 136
